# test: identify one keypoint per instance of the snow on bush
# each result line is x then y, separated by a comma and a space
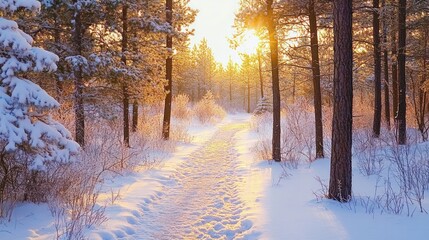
297, 139
29, 137
180, 107
264, 105
262, 124
207, 110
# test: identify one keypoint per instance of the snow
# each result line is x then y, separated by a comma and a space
13, 5
215, 188
286, 206
23, 104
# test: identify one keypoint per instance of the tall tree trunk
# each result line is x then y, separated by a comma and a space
135, 116
135, 110
386, 89
340, 183
316, 80
386, 72
377, 68
78, 83
125, 94
169, 74
58, 82
402, 107
395, 91
261, 78
275, 82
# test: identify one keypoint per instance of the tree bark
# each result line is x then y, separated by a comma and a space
394, 74
78, 83
59, 87
386, 72
135, 110
377, 68
315, 65
135, 116
125, 94
402, 106
340, 183
276, 148
169, 74
386, 89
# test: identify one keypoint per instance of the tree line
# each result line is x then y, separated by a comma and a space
344, 49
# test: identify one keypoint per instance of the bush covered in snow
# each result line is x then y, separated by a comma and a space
30, 139
207, 110
180, 107
297, 139
264, 105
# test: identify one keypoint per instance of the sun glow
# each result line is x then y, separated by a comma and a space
249, 44
214, 22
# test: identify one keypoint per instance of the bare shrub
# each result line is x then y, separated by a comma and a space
297, 140
180, 133
151, 127
75, 188
322, 192
72, 189
289, 151
327, 130
149, 134
263, 149
73, 202
362, 114
369, 153
207, 110
404, 182
298, 132
20, 181
285, 173
409, 167
261, 124
180, 107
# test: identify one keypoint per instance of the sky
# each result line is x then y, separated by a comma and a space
214, 22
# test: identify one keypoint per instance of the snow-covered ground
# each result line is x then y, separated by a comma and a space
215, 188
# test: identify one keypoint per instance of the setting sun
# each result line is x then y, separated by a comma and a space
249, 43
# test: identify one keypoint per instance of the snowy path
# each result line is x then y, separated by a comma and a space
213, 188
204, 203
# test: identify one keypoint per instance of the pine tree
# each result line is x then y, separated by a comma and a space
29, 137
264, 105
340, 183
206, 68
169, 73
271, 26
315, 65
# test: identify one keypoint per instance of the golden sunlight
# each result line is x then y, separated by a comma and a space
249, 44
214, 22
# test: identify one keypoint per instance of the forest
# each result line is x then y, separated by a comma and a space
93, 91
